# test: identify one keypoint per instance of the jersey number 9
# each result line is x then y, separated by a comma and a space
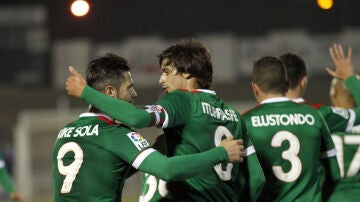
72, 169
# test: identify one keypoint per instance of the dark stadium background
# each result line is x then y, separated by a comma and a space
111, 20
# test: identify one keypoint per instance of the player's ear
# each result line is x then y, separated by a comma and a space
186, 75
303, 82
334, 91
110, 91
255, 88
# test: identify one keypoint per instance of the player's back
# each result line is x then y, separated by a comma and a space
210, 120
84, 165
348, 153
287, 137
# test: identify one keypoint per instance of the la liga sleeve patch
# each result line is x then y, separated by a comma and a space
138, 140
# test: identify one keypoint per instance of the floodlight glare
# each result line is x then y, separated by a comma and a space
325, 4
80, 8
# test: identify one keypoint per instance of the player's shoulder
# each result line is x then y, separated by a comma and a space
248, 111
177, 94
313, 105
122, 127
337, 111
115, 128
308, 108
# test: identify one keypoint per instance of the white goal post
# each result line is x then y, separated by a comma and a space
34, 135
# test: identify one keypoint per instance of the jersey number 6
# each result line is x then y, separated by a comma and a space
220, 132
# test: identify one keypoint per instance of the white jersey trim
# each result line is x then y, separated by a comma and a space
157, 110
166, 122
351, 121
90, 114
298, 100
250, 150
329, 153
141, 157
206, 91
2, 164
275, 99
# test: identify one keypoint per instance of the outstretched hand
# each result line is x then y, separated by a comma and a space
234, 149
343, 66
75, 83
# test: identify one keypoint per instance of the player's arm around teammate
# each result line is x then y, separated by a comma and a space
178, 167
252, 172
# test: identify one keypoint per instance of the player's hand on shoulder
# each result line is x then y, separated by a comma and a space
234, 149
75, 83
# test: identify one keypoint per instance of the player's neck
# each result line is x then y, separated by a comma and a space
294, 93
264, 96
95, 110
191, 84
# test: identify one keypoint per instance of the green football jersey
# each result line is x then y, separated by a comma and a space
290, 139
91, 159
197, 121
339, 119
193, 122
153, 189
5, 178
348, 148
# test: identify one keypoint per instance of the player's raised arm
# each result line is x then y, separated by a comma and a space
75, 83
342, 62
344, 71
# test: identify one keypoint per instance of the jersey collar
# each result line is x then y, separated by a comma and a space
90, 114
298, 100
204, 91
275, 99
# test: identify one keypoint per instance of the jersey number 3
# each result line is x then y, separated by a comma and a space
291, 155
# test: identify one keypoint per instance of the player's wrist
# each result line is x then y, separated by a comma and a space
223, 154
87, 90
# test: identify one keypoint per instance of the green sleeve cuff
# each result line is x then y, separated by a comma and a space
353, 84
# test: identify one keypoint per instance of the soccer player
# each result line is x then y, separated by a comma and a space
337, 119
348, 148
194, 119
291, 139
93, 155
6, 181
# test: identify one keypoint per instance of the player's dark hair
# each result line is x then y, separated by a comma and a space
106, 70
269, 73
190, 56
296, 68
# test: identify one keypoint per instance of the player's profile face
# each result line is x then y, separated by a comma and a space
126, 90
170, 79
